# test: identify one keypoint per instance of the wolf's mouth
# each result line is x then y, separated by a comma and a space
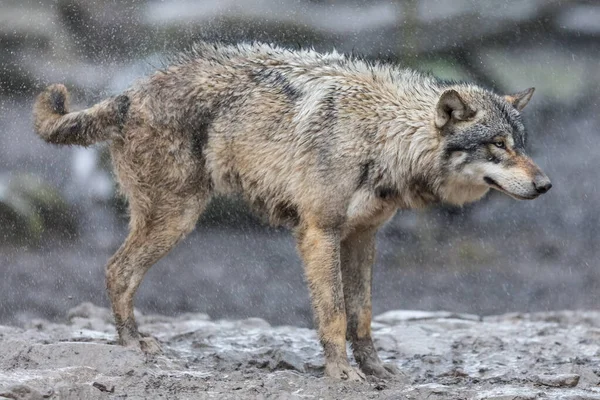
491, 182
497, 186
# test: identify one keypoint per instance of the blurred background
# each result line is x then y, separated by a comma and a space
61, 218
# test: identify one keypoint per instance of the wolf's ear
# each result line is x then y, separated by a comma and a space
450, 107
520, 100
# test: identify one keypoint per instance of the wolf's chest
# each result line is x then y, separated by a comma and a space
366, 209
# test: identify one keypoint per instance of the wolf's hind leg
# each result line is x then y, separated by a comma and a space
320, 250
357, 257
153, 234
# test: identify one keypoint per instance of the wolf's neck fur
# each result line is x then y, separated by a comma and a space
412, 147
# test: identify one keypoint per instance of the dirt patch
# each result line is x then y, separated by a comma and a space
441, 355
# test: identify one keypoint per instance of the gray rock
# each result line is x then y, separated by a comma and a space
510, 393
89, 310
253, 323
29, 206
284, 359
561, 380
433, 391
581, 18
396, 316
23, 392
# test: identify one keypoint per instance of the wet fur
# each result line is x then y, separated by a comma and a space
328, 145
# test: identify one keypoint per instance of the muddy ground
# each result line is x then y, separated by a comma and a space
551, 355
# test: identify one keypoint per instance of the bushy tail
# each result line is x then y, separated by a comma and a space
55, 124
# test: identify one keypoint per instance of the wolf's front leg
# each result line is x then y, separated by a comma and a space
320, 251
357, 257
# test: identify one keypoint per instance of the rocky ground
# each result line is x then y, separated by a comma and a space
553, 355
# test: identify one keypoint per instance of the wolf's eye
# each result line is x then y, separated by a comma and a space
499, 144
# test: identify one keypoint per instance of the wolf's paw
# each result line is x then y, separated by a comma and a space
149, 346
343, 371
146, 344
392, 368
380, 370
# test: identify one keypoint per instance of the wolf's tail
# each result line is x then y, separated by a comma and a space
55, 124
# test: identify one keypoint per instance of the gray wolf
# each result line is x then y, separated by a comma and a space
327, 144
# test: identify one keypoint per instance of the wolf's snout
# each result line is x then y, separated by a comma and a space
542, 184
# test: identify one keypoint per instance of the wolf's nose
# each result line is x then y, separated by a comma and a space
542, 185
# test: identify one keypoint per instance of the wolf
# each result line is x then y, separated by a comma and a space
329, 145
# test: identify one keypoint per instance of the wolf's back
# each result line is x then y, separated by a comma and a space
55, 124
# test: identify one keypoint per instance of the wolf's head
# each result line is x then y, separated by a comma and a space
483, 141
